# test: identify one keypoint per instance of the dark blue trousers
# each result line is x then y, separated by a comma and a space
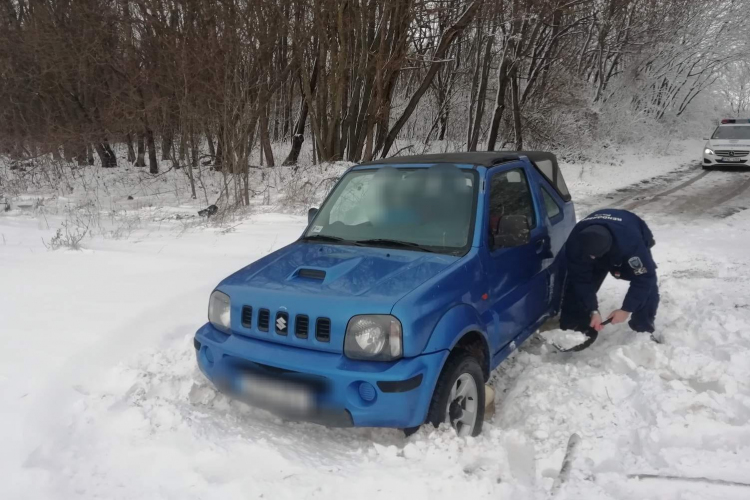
575, 316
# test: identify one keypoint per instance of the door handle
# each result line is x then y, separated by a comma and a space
540, 244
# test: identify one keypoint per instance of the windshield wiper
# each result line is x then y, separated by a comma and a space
323, 237
394, 243
370, 242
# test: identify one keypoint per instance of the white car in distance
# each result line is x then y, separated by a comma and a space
729, 144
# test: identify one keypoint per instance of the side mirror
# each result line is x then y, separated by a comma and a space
512, 231
706, 139
311, 214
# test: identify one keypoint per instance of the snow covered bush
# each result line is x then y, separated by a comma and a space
68, 236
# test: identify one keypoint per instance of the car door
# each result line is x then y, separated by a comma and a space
516, 276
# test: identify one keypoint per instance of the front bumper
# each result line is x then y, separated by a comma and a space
724, 161
346, 392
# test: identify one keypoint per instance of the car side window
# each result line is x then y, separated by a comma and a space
553, 210
510, 197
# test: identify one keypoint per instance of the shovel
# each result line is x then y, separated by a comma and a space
592, 336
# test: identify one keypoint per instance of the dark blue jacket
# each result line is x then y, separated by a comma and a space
629, 258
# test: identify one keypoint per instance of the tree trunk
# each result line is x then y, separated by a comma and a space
153, 163
89, 154
183, 147
297, 141
194, 152
166, 145
298, 136
219, 156
175, 158
106, 155
370, 137
211, 147
193, 161
444, 114
497, 114
473, 93
131, 150
141, 157
516, 113
265, 140
481, 96
110, 153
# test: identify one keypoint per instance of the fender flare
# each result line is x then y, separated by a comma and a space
454, 325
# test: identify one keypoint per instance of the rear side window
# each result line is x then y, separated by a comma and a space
510, 195
550, 204
552, 172
546, 164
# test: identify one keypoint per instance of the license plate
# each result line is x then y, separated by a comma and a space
278, 396
733, 159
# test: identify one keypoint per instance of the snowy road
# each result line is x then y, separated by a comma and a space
689, 192
101, 397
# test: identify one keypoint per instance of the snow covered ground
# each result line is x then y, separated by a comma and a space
102, 398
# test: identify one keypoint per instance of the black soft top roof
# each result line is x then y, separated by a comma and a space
483, 158
545, 163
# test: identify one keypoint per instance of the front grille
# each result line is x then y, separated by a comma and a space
247, 316
280, 322
264, 319
736, 153
301, 326
323, 329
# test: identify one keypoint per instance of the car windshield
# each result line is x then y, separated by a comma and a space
732, 132
429, 209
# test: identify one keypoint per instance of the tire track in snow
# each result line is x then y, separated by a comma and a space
735, 192
639, 203
637, 191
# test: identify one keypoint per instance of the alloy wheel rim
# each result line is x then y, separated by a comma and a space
463, 402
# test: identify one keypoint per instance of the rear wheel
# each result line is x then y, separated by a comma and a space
459, 395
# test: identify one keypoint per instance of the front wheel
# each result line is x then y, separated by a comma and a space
459, 396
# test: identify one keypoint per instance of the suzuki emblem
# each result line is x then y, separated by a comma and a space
281, 323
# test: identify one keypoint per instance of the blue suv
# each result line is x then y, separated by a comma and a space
417, 277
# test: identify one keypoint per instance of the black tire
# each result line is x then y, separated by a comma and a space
410, 430
708, 167
460, 362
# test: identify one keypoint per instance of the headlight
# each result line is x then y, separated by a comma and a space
373, 337
219, 313
708, 151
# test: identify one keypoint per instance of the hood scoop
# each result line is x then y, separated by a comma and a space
311, 274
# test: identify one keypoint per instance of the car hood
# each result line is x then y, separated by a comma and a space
341, 271
313, 282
